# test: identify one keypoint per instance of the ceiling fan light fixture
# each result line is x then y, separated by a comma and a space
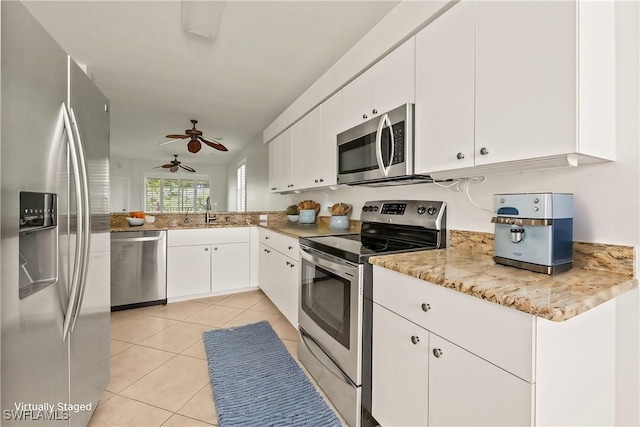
202, 18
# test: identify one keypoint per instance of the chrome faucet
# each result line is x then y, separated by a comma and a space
208, 217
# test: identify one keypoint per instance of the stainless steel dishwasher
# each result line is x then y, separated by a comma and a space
138, 269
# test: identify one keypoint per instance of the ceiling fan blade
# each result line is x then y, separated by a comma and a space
213, 144
176, 136
174, 168
166, 166
187, 168
170, 141
194, 146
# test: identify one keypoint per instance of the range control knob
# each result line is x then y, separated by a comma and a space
432, 210
421, 210
375, 208
365, 208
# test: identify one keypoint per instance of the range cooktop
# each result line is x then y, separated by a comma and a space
388, 226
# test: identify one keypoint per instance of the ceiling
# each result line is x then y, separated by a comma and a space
158, 76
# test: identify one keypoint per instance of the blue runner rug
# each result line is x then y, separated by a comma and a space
256, 382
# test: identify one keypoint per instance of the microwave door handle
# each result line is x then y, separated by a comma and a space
384, 122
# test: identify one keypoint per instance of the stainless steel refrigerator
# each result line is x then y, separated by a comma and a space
55, 251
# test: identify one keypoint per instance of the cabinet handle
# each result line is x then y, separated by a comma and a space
437, 352
267, 251
290, 247
364, 116
415, 339
374, 111
316, 181
484, 151
321, 180
425, 307
215, 249
291, 265
288, 263
206, 249
266, 237
460, 156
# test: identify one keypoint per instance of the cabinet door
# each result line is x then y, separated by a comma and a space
525, 79
444, 114
356, 101
229, 266
309, 165
289, 294
467, 390
393, 79
266, 270
400, 380
188, 270
331, 126
299, 153
280, 162
273, 172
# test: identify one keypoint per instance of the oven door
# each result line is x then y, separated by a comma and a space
330, 311
377, 149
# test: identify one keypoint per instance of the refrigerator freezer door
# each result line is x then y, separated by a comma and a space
34, 360
89, 340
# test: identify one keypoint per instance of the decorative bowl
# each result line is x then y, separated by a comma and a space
133, 222
150, 219
293, 218
339, 222
307, 216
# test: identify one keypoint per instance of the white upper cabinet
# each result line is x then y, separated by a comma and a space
544, 87
304, 156
280, 160
526, 80
444, 112
386, 85
331, 125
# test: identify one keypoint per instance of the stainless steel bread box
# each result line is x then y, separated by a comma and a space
534, 231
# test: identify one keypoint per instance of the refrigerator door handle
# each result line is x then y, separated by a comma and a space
75, 277
86, 231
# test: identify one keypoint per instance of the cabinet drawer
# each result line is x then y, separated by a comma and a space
284, 244
208, 236
501, 335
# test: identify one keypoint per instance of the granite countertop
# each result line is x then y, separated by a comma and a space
305, 230
287, 228
154, 227
473, 272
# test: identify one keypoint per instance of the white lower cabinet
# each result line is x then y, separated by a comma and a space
279, 274
229, 266
466, 390
188, 270
399, 364
201, 261
444, 358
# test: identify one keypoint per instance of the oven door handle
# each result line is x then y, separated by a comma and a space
336, 371
340, 269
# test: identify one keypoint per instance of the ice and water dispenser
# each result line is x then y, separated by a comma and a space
38, 245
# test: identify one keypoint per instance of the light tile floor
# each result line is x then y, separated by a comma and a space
159, 371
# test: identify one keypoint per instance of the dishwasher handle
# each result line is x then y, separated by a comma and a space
137, 239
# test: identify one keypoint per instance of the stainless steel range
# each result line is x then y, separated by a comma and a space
336, 293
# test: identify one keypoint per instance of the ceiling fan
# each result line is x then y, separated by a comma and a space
195, 136
175, 164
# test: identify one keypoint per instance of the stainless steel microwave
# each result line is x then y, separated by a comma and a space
379, 152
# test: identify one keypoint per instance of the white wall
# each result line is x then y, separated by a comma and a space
257, 175
136, 169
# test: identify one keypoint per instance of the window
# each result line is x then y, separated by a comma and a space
163, 194
241, 199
